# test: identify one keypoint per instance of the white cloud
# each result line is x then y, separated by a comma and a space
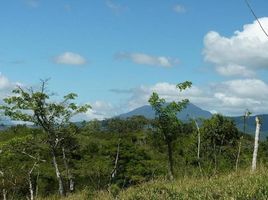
179, 8
4, 82
69, 58
233, 97
241, 54
235, 70
145, 59
100, 110
6, 86
228, 97
140, 95
244, 88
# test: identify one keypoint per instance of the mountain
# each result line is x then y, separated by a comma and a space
191, 111
250, 124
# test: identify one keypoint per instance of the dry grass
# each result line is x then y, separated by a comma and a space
234, 186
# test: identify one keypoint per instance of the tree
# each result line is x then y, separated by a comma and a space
198, 143
37, 107
23, 153
166, 120
219, 135
245, 117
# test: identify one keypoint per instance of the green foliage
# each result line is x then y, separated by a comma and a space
36, 107
91, 150
135, 148
219, 137
114, 190
166, 120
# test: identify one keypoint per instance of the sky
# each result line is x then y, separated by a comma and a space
115, 53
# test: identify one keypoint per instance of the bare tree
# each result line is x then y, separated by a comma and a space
256, 144
114, 171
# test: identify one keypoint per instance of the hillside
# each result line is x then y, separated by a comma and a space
241, 185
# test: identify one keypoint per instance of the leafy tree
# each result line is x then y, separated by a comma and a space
23, 154
166, 120
36, 107
219, 135
245, 117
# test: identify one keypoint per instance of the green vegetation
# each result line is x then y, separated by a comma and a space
124, 158
167, 122
239, 186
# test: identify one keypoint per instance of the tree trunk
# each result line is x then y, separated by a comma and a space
71, 184
30, 188
4, 190
113, 174
240, 142
36, 184
69, 175
215, 157
238, 154
170, 161
58, 174
256, 144
4, 194
198, 145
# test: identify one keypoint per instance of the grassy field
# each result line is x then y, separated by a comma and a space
240, 186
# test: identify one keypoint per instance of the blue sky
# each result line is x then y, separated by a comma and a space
114, 53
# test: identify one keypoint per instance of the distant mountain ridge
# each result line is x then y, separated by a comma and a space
191, 111
250, 124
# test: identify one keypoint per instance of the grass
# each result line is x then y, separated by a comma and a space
234, 186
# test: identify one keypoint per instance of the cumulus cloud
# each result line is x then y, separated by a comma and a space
145, 59
140, 95
240, 54
244, 88
69, 58
4, 82
100, 110
235, 70
6, 86
228, 97
179, 8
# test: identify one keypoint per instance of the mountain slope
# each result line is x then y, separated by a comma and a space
191, 111
250, 124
